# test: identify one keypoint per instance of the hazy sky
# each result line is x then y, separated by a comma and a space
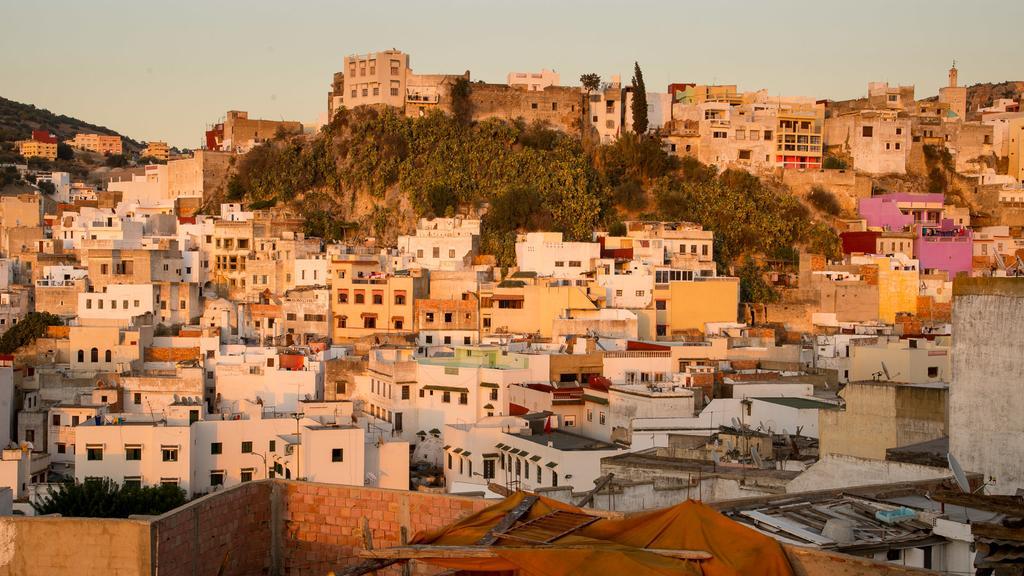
164, 70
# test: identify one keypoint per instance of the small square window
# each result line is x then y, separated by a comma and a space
216, 448
337, 455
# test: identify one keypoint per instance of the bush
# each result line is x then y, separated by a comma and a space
753, 286
116, 161
824, 201
833, 163
104, 498
46, 187
31, 327
263, 204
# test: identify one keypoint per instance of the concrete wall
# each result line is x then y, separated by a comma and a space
986, 399
52, 545
837, 472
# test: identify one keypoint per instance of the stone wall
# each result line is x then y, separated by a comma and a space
47, 545
846, 185
556, 105
987, 392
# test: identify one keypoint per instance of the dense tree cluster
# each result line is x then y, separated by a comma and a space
104, 498
32, 326
522, 178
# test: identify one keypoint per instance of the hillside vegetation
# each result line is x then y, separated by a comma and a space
17, 121
375, 171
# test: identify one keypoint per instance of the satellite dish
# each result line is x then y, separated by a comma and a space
958, 473
735, 422
755, 456
728, 444
885, 370
716, 457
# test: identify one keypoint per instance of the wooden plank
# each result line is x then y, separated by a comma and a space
509, 520
601, 483
452, 552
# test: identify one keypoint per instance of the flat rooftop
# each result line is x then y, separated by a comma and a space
566, 441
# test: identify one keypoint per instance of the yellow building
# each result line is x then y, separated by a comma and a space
37, 149
898, 286
366, 301
685, 306
156, 149
881, 415
99, 143
524, 304
1015, 144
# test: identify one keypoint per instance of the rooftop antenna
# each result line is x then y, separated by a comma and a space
756, 457
885, 370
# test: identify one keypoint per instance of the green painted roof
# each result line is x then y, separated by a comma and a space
801, 403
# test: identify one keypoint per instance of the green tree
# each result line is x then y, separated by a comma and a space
46, 187
26, 331
590, 82
116, 161
639, 105
104, 498
65, 152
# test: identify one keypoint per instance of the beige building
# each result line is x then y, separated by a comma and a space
386, 78
1015, 149
157, 149
534, 80
37, 149
878, 141
954, 95
99, 143
367, 301
241, 133
881, 415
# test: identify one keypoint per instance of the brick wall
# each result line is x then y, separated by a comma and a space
155, 354
58, 331
323, 522
229, 528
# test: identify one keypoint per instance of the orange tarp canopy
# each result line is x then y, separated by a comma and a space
616, 546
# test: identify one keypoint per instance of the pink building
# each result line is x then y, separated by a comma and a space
898, 212
945, 247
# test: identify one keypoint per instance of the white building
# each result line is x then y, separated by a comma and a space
118, 304
224, 450
546, 254
278, 381
522, 454
534, 81
448, 244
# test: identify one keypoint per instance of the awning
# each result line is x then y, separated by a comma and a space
457, 451
488, 407
534, 458
447, 446
501, 447
595, 399
507, 297
446, 388
488, 385
368, 315
466, 453
551, 464
492, 455
399, 318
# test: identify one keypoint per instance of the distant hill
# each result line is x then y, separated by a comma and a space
982, 95
17, 121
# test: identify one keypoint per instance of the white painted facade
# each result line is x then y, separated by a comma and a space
546, 254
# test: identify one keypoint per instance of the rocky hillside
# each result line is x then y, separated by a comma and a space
17, 121
373, 172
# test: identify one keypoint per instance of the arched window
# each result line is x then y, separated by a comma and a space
106, 356
94, 355
81, 355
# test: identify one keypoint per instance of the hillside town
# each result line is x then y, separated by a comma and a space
160, 330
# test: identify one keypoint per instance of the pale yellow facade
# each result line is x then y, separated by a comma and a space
99, 143
898, 286
1015, 148
36, 149
689, 305
365, 301
531, 308
882, 415
158, 150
